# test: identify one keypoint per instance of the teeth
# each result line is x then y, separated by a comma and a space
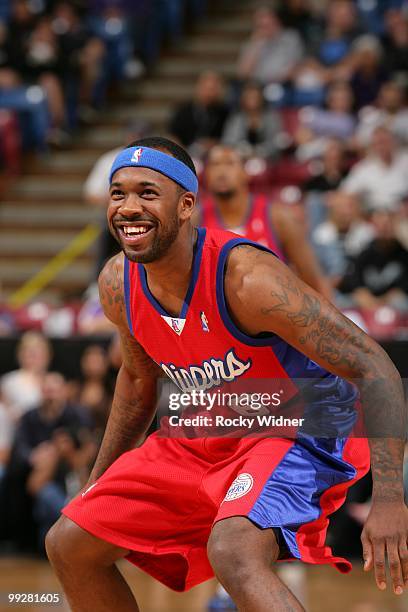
139, 229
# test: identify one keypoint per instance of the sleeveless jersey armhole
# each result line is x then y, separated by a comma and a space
234, 330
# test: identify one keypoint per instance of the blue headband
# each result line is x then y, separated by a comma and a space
144, 157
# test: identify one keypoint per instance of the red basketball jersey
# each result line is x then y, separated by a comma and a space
203, 348
257, 226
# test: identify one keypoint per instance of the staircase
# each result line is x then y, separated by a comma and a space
43, 210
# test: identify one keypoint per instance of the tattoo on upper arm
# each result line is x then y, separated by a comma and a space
111, 289
335, 339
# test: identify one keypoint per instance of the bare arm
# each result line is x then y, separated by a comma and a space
299, 252
294, 311
134, 400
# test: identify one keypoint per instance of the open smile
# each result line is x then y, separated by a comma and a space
134, 233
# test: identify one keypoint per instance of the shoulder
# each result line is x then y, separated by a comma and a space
280, 213
285, 222
247, 271
10, 377
111, 289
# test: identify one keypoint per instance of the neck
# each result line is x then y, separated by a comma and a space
233, 208
171, 274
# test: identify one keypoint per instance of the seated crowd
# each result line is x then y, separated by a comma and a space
320, 103
51, 426
59, 60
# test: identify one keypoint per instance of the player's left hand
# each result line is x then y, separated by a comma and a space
385, 534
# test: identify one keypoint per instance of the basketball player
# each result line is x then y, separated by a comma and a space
185, 508
230, 206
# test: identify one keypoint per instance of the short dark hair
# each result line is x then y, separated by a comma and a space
167, 146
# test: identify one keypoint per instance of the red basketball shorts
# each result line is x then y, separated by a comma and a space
161, 500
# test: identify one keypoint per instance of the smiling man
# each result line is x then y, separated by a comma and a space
185, 508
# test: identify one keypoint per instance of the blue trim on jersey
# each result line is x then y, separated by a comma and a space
126, 284
221, 302
197, 255
291, 496
143, 280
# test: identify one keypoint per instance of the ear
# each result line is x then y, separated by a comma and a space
186, 205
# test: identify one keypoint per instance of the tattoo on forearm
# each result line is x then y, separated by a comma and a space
342, 346
131, 414
134, 399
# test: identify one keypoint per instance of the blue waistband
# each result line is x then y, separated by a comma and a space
145, 157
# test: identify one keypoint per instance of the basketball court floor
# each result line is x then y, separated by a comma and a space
323, 588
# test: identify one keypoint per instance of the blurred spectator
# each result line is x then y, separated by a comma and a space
38, 60
230, 206
6, 437
396, 44
368, 70
389, 110
200, 121
51, 454
379, 275
298, 15
329, 49
21, 389
91, 318
272, 51
110, 24
333, 168
84, 53
58, 59
317, 124
28, 99
341, 236
94, 392
253, 129
381, 178
334, 44
96, 186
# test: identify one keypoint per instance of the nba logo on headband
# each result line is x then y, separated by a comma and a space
136, 155
145, 157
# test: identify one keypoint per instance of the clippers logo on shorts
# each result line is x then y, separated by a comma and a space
210, 373
240, 487
136, 155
